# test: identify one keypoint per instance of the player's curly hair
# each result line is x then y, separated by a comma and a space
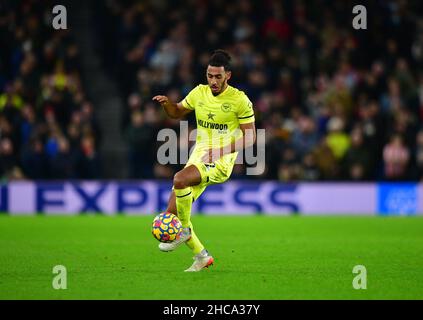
220, 58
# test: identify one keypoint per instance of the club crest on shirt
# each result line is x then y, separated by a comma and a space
226, 107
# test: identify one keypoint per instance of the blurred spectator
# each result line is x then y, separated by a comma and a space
358, 164
310, 171
338, 141
139, 134
419, 157
396, 157
393, 100
88, 162
289, 169
326, 161
62, 164
305, 136
276, 25
34, 160
7, 157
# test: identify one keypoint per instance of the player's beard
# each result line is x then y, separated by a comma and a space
216, 93
222, 87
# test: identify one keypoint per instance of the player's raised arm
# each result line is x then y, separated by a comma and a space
173, 110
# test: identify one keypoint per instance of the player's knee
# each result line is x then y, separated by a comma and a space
179, 181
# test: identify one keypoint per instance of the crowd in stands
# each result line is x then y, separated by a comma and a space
337, 103
47, 124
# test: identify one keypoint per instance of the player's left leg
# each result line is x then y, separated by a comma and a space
178, 204
202, 258
193, 243
182, 188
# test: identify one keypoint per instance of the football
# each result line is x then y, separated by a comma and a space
166, 227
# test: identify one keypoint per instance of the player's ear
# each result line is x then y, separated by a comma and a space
228, 75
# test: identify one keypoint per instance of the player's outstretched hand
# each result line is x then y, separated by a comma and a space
161, 99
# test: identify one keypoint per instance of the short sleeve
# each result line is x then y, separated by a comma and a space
245, 111
188, 101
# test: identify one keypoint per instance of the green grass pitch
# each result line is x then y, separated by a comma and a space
256, 257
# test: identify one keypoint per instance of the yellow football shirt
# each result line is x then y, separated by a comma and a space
218, 117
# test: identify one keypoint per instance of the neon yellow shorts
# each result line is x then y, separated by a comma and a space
213, 173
